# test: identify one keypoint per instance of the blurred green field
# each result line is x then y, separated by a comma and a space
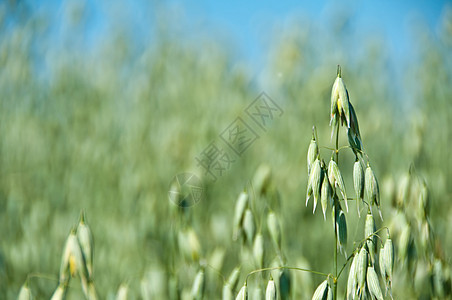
106, 131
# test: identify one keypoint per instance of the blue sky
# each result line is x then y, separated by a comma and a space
245, 24
247, 21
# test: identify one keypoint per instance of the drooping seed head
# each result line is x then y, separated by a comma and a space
86, 241
354, 137
262, 179
330, 293
340, 101
388, 258
72, 261
373, 284
123, 292
197, 290
274, 229
362, 268
358, 182
404, 186
382, 262
258, 250
313, 152
240, 206
334, 97
325, 195
341, 227
334, 123
425, 235
404, 242
25, 292
234, 278
227, 292
371, 187
336, 180
270, 292
369, 230
314, 183
59, 293
352, 278
321, 292
189, 244
249, 226
309, 189
243, 293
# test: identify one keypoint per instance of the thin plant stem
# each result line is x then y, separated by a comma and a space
335, 231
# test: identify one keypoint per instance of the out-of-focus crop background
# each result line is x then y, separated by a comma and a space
101, 104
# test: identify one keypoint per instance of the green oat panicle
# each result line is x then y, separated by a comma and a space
340, 101
227, 292
314, 183
387, 259
262, 179
333, 123
123, 292
403, 191
335, 178
258, 250
72, 262
330, 293
313, 151
59, 293
86, 241
424, 200
341, 227
362, 269
249, 226
369, 230
234, 277
231, 284
372, 188
381, 261
321, 293
189, 245
352, 280
325, 195
243, 293
404, 243
426, 235
197, 291
354, 137
373, 284
25, 292
270, 292
358, 183
309, 190
333, 109
275, 229
240, 206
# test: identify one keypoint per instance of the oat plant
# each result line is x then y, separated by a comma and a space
369, 264
325, 182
